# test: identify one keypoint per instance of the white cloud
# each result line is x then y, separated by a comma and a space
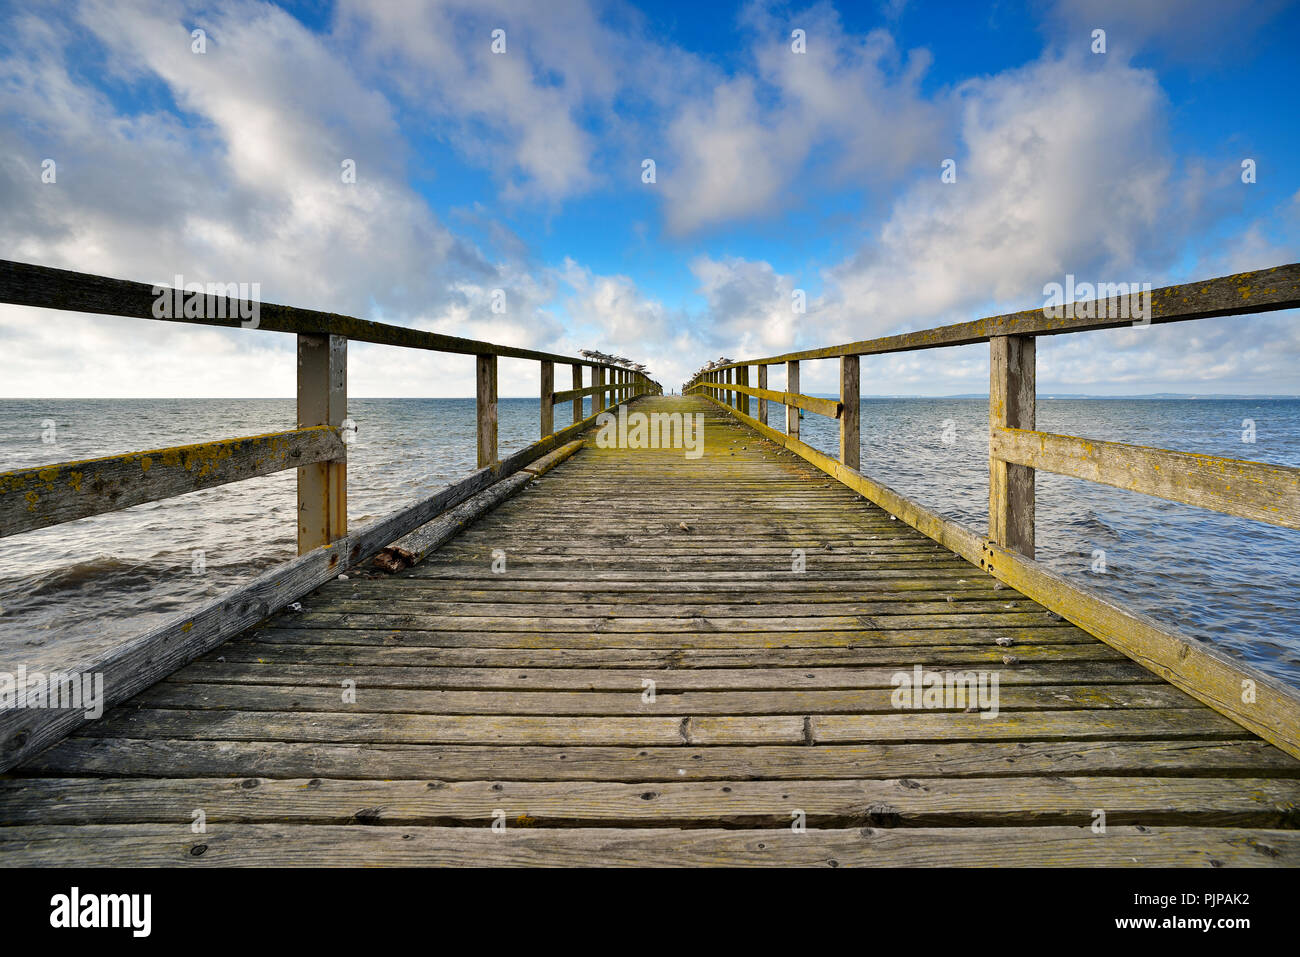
243, 185
755, 144
533, 114
1195, 31
1063, 167
750, 305
618, 318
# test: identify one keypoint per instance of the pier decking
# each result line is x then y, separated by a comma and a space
650, 681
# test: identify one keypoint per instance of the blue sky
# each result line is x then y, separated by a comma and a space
776, 171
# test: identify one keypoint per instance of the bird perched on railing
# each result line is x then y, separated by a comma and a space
597, 356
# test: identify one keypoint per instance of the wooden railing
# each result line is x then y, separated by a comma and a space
51, 494
1254, 490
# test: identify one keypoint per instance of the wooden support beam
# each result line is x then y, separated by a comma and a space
850, 418
742, 398
486, 378
1255, 490
762, 401
792, 387
50, 494
598, 382
548, 398
1011, 405
577, 393
415, 546
322, 400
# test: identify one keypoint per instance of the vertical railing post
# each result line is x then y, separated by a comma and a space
792, 386
322, 400
548, 403
1012, 388
598, 397
728, 395
850, 418
762, 403
486, 378
577, 402
742, 398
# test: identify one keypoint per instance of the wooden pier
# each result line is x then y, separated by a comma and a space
646, 658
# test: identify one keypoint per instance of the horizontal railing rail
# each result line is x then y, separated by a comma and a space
827, 407
1247, 293
49, 494
46, 495
1254, 490
25, 284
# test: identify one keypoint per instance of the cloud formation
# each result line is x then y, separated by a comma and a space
225, 166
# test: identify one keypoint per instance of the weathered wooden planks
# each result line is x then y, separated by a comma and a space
251, 845
140, 662
628, 701
161, 757
281, 664
1259, 702
925, 802
395, 717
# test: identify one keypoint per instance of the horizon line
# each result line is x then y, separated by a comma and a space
891, 395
